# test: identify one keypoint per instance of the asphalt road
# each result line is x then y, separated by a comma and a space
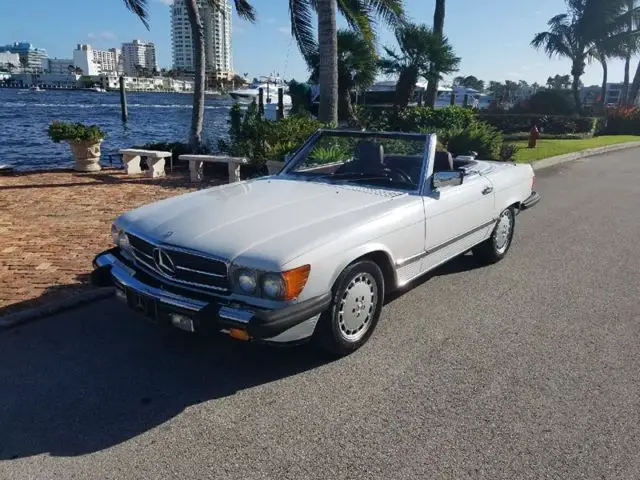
526, 369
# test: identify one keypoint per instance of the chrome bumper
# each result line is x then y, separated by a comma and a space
290, 324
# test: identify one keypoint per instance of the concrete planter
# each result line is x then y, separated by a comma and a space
86, 156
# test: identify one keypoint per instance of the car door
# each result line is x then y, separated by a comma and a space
457, 218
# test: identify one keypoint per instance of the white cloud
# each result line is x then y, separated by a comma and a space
539, 13
270, 20
285, 30
238, 29
104, 35
514, 75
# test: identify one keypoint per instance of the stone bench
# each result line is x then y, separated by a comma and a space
155, 160
196, 163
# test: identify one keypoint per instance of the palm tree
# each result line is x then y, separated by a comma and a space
422, 53
564, 39
438, 29
357, 68
359, 14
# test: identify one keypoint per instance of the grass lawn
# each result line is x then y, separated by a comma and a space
551, 148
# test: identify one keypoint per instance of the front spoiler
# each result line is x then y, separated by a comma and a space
219, 314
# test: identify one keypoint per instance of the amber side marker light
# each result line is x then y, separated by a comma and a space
239, 334
294, 281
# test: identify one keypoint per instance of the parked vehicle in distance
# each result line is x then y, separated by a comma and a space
311, 252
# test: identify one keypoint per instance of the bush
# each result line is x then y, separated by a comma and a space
508, 152
548, 102
479, 137
176, 149
415, 119
75, 132
252, 136
623, 120
555, 124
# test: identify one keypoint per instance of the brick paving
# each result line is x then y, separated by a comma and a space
53, 224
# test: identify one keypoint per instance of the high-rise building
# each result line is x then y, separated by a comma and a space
31, 58
57, 66
138, 53
9, 60
95, 62
217, 31
84, 60
110, 61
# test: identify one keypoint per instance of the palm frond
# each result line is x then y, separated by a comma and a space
302, 28
244, 9
140, 8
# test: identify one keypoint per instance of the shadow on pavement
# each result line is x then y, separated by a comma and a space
97, 376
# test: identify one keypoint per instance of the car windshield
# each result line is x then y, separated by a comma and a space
373, 159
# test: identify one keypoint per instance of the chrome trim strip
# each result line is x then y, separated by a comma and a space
201, 272
153, 272
414, 258
137, 251
174, 248
235, 315
122, 277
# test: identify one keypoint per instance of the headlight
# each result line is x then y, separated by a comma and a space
247, 280
115, 234
273, 286
120, 239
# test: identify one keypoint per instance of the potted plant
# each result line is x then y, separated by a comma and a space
84, 141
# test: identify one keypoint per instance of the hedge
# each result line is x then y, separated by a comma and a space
622, 121
553, 124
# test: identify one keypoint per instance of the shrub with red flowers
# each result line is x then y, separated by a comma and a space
622, 120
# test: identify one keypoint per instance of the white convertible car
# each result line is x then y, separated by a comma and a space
310, 253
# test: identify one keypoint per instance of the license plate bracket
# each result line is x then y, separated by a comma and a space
143, 304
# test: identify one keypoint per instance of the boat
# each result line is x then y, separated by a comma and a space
36, 88
383, 93
97, 89
269, 85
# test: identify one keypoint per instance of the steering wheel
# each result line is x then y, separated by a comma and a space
398, 174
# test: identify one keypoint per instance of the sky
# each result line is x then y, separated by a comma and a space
492, 36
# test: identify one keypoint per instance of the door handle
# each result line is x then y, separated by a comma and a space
487, 190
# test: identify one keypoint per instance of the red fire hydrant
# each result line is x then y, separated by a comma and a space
534, 135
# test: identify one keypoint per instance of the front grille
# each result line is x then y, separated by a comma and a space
187, 268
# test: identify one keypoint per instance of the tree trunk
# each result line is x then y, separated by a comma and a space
576, 92
328, 71
625, 85
346, 113
406, 86
632, 99
438, 29
605, 75
197, 34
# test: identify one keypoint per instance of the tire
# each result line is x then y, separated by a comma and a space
350, 320
496, 247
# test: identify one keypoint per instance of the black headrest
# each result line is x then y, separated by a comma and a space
443, 162
370, 153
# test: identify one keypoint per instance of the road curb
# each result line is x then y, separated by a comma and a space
51, 308
570, 157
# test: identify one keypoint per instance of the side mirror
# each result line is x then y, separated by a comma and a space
444, 179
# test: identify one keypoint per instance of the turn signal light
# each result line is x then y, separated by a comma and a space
294, 281
239, 334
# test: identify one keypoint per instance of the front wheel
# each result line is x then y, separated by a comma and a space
355, 309
495, 248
